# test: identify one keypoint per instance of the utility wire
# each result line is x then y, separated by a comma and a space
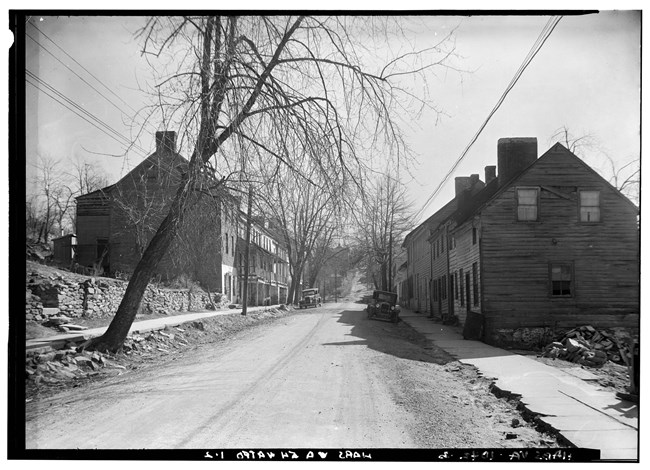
83, 114
79, 76
80, 108
80, 65
541, 39
72, 108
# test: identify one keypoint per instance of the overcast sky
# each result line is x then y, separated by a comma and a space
586, 77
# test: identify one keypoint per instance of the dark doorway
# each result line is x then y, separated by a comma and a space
467, 291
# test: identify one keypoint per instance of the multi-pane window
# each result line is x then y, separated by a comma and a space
589, 206
527, 204
561, 279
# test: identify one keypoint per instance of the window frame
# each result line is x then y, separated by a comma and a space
537, 203
572, 280
580, 206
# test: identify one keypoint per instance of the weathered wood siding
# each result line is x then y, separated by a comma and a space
461, 258
516, 255
419, 269
440, 273
92, 223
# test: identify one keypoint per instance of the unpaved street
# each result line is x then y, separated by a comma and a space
323, 378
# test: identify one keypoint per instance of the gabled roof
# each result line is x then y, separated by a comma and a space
469, 208
493, 190
105, 190
439, 217
434, 220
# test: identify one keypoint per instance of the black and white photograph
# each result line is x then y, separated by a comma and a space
325, 235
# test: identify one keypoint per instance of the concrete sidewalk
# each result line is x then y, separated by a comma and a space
582, 412
58, 341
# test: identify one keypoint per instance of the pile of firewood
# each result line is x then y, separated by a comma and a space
591, 347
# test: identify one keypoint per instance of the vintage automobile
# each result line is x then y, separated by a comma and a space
310, 298
383, 306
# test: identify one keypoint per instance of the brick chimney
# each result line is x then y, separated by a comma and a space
165, 141
514, 154
490, 173
462, 183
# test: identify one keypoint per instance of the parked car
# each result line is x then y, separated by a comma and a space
310, 298
383, 306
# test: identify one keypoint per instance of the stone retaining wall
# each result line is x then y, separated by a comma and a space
100, 297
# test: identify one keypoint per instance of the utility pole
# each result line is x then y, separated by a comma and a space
336, 297
247, 250
390, 259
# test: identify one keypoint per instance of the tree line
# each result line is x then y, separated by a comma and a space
50, 202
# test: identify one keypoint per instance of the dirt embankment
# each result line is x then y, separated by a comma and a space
52, 371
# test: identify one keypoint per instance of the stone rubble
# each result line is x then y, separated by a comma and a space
588, 346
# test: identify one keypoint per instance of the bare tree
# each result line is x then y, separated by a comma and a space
626, 178
623, 176
49, 205
239, 88
385, 216
86, 177
303, 214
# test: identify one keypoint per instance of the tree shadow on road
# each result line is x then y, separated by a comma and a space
398, 339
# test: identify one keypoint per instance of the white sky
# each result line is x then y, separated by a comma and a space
586, 77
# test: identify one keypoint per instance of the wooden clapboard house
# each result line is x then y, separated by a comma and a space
547, 244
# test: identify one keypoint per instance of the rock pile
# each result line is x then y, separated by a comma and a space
33, 307
591, 347
162, 340
66, 365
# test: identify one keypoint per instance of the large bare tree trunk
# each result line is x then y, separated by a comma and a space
113, 338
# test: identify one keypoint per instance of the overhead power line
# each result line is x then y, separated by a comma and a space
80, 65
69, 104
63, 101
539, 42
122, 138
76, 74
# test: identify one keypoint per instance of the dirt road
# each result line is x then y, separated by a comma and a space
323, 378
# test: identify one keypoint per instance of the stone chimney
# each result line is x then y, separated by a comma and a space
514, 154
165, 141
462, 183
490, 173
